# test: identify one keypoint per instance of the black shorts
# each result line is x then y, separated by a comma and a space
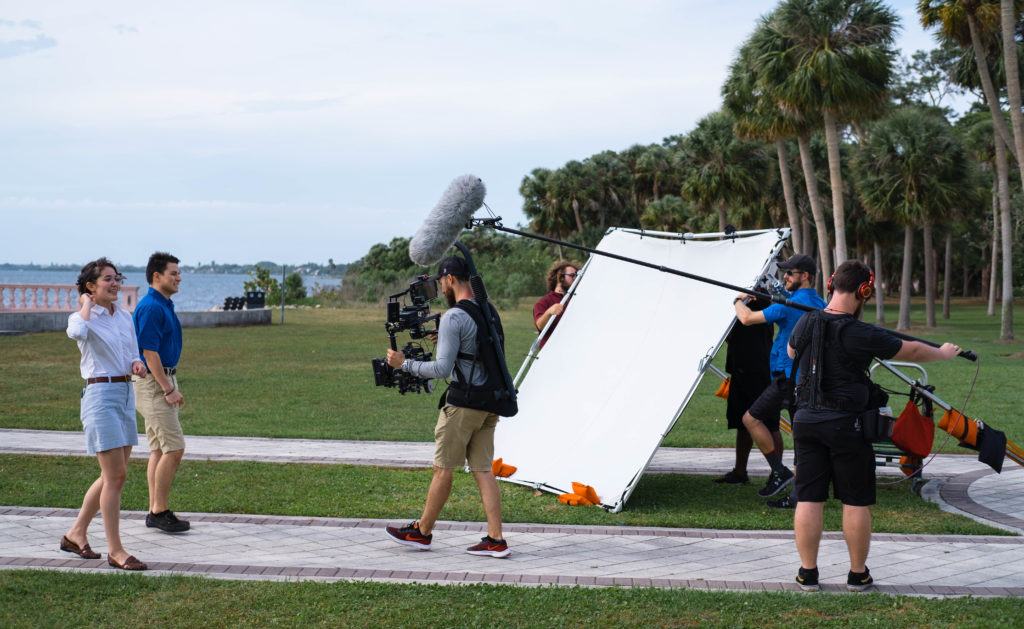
834, 453
767, 408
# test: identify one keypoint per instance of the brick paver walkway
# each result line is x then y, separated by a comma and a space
271, 547
263, 547
999, 499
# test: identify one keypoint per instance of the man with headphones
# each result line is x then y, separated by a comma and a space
833, 350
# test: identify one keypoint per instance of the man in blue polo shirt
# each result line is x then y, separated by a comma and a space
763, 417
157, 396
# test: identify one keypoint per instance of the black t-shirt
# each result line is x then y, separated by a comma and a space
862, 343
747, 361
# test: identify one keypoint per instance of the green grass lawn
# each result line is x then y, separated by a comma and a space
367, 492
33, 598
311, 378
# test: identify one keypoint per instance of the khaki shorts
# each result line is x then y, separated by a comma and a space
464, 434
162, 426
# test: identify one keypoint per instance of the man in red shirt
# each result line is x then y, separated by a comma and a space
561, 275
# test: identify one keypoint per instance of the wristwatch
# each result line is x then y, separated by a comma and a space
405, 365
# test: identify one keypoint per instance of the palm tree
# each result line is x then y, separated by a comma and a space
612, 183
912, 169
672, 214
539, 205
572, 186
722, 169
1009, 18
759, 117
833, 57
973, 25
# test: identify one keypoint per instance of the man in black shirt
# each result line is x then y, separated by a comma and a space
832, 392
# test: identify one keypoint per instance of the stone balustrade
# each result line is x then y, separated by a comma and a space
52, 297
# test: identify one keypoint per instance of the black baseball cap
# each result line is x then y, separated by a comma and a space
800, 262
453, 266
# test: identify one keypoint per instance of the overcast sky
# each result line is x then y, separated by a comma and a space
301, 131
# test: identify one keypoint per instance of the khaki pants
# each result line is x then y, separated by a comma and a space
162, 426
464, 435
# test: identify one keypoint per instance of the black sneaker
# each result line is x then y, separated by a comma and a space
808, 579
410, 535
167, 522
733, 478
859, 581
784, 503
776, 483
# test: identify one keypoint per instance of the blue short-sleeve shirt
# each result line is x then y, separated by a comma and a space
158, 328
786, 318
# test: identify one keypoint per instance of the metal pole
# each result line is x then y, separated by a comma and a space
494, 223
283, 268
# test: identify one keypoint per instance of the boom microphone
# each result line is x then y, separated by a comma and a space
446, 221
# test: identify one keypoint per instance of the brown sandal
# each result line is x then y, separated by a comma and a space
84, 552
131, 563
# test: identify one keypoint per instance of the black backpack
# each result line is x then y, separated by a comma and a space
491, 396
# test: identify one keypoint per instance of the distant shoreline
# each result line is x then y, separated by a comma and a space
225, 269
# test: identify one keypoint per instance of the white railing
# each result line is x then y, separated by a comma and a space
52, 297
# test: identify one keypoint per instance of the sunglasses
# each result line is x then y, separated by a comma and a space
793, 272
115, 279
569, 275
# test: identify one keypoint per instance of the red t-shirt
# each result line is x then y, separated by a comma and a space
541, 307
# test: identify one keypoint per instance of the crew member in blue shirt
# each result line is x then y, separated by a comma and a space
762, 418
157, 395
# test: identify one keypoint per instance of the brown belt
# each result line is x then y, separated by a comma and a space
89, 381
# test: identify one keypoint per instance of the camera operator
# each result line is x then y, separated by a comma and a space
834, 397
763, 417
462, 434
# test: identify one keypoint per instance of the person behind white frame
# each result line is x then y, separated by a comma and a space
110, 355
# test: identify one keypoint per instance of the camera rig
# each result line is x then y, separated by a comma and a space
413, 318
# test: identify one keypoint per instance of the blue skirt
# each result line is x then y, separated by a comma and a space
108, 416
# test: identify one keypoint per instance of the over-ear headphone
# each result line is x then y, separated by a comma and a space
864, 292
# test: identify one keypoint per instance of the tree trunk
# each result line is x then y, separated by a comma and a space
1006, 316
1009, 22
806, 237
721, 217
967, 277
879, 285
991, 96
835, 177
929, 274
576, 213
994, 266
790, 196
947, 275
807, 164
906, 281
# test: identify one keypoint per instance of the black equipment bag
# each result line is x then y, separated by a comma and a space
491, 396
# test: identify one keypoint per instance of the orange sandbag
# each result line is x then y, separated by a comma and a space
723, 389
582, 496
586, 491
963, 428
913, 432
574, 500
502, 469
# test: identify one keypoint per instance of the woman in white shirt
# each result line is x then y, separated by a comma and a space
110, 354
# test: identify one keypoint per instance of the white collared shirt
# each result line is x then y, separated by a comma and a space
107, 341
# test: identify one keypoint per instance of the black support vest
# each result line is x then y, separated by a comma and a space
492, 395
822, 344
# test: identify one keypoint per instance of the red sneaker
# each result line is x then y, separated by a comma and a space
409, 535
490, 547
